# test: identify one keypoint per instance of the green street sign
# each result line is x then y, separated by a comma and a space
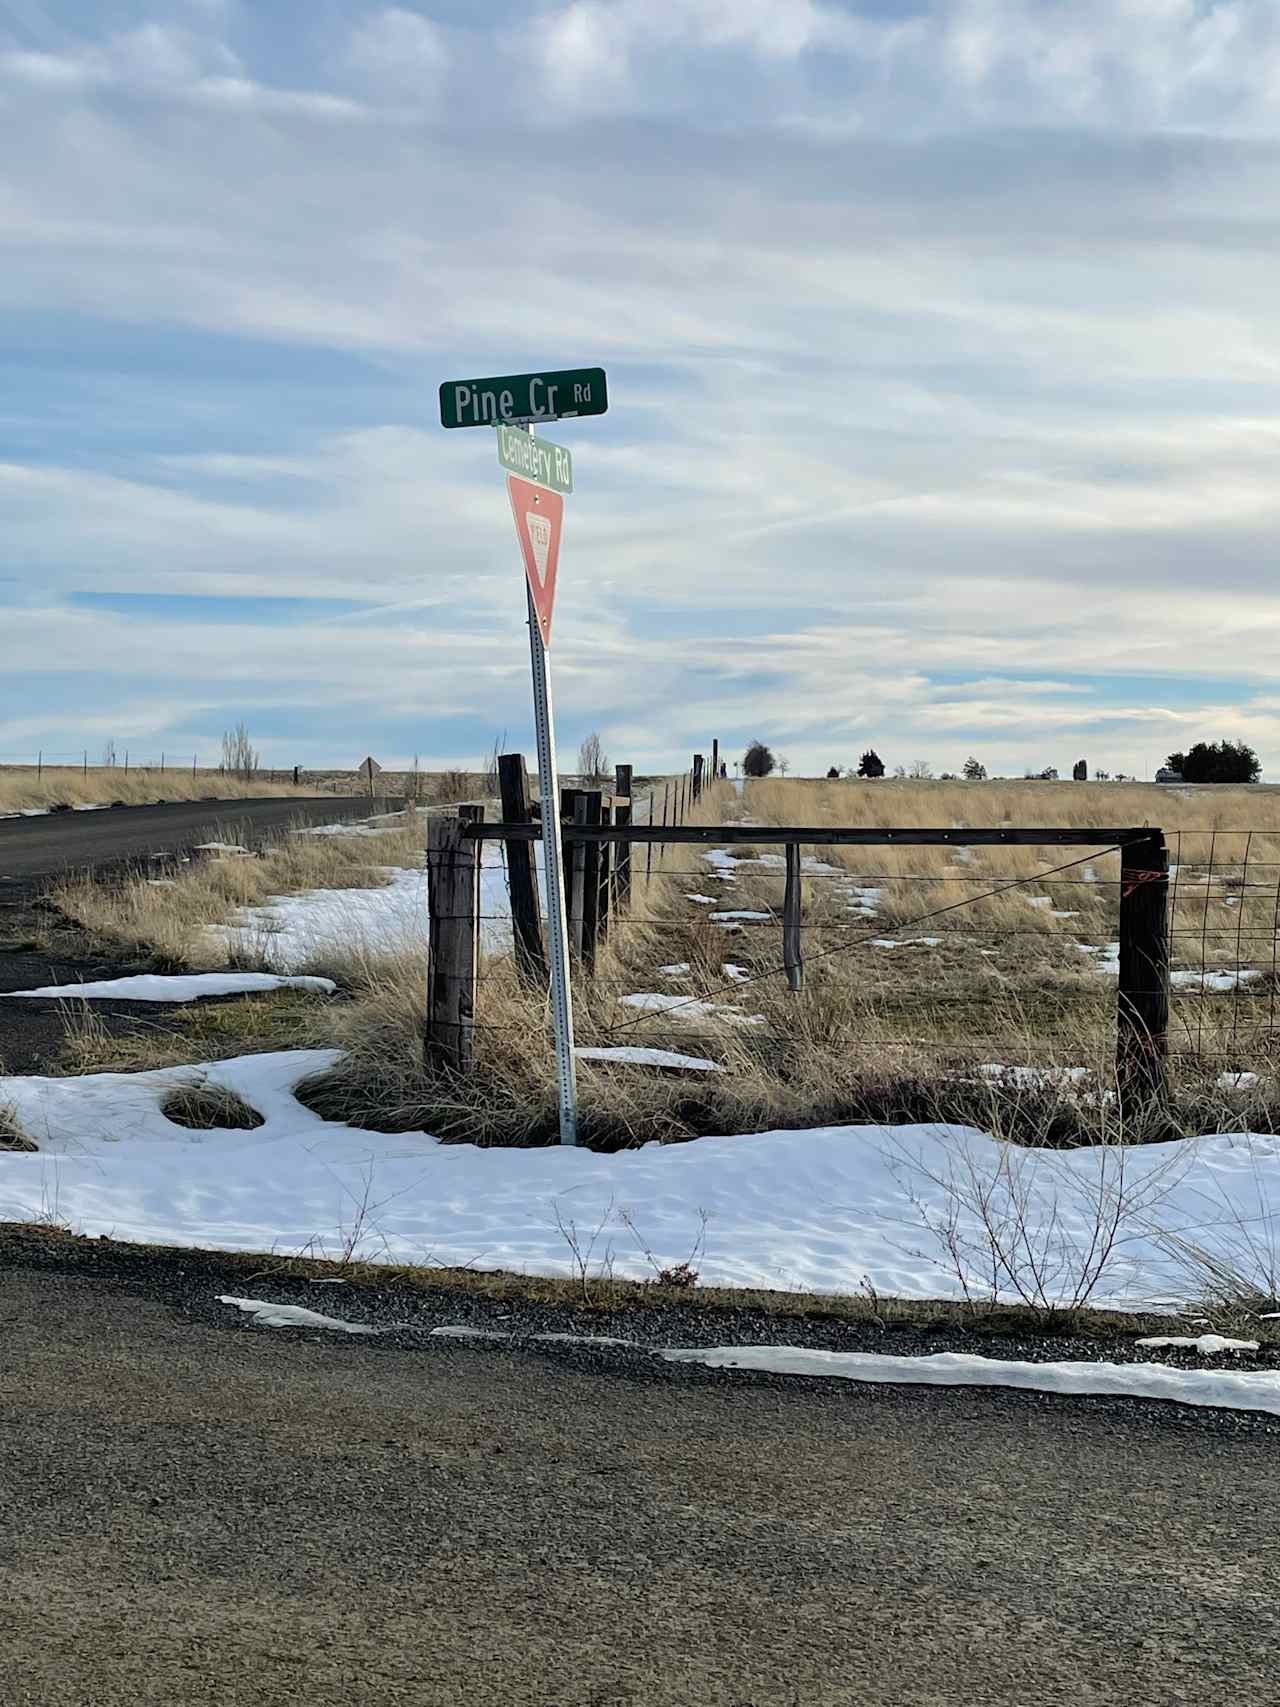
523, 397
535, 459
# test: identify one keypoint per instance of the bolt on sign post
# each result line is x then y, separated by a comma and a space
539, 474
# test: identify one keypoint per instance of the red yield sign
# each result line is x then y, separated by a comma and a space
539, 515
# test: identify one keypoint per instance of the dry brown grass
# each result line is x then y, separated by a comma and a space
22, 788
168, 921
12, 1137
876, 1034
205, 1107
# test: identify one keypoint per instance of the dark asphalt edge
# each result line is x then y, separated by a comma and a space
191, 1283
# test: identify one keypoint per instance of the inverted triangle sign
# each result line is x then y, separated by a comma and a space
539, 515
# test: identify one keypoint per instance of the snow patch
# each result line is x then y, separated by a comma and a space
1192, 980
1209, 1345
1218, 1389
650, 1058
687, 1007
190, 987
269, 1315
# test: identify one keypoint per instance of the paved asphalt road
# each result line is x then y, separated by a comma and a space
41, 847
197, 1510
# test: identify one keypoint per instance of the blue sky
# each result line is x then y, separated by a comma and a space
943, 354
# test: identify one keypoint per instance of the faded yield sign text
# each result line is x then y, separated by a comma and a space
523, 397
539, 516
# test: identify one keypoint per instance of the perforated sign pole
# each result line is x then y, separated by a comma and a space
549, 785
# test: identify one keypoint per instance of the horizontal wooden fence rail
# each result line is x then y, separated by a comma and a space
821, 835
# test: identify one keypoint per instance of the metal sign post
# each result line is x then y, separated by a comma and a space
539, 474
553, 869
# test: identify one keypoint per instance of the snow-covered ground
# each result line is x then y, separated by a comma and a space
291, 929
832, 1209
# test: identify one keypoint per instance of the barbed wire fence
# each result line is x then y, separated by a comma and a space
1188, 981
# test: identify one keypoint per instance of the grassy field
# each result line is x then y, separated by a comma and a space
167, 921
24, 788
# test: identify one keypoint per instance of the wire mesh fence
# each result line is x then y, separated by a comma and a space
955, 954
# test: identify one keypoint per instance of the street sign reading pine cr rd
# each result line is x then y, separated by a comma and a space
523, 397
535, 459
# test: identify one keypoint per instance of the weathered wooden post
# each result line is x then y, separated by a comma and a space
622, 809
453, 865
605, 876
591, 811
573, 810
715, 760
697, 777
526, 914
1142, 1028
791, 954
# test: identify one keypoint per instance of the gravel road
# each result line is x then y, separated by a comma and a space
195, 1509
62, 841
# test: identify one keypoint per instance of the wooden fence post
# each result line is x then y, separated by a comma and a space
697, 776
453, 863
622, 815
591, 809
526, 915
607, 863
573, 810
1142, 1019
715, 760
791, 955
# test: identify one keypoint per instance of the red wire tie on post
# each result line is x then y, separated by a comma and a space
1139, 878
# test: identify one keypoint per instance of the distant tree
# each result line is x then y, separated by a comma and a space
921, 769
757, 760
1218, 761
948, 776
974, 770
1080, 771
593, 761
1048, 774
833, 773
784, 764
871, 764
899, 771
239, 757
